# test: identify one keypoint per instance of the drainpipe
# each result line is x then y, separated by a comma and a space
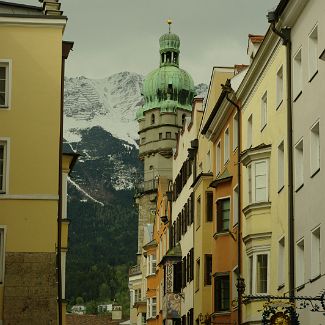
239, 309
285, 35
66, 47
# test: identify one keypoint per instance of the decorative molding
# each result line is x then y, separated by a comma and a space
46, 197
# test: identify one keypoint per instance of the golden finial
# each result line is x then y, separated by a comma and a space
169, 22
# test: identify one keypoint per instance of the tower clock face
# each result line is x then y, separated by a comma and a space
280, 319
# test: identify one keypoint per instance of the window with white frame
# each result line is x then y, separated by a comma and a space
235, 125
300, 263
281, 262
151, 265
313, 52
218, 158
234, 278
235, 206
299, 164
250, 131
297, 75
137, 295
226, 146
151, 307
258, 181
4, 84
315, 253
208, 161
264, 111
279, 87
259, 272
280, 166
3, 166
223, 214
314, 149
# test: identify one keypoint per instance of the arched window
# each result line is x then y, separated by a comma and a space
153, 119
183, 118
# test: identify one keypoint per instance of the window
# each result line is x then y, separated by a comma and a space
160, 136
207, 269
259, 273
218, 158
183, 119
300, 263
208, 161
221, 293
168, 135
223, 212
209, 206
279, 87
315, 253
313, 52
4, 84
281, 262
153, 118
197, 275
137, 295
280, 166
299, 164
143, 318
184, 273
258, 181
3, 166
235, 206
226, 146
235, 276
151, 266
297, 75
151, 307
235, 131
264, 111
198, 212
249, 131
314, 149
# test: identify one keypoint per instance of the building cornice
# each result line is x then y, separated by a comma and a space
33, 20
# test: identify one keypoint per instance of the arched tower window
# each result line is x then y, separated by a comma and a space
153, 119
183, 119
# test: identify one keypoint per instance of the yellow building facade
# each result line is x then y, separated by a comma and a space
31, 64
264, 176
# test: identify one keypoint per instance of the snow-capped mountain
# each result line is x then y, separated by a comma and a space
110, 103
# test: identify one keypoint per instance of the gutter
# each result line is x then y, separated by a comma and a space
66, 48
284, 33
239, 260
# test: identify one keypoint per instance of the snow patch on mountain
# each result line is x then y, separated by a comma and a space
110, 103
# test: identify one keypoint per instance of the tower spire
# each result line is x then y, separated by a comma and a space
169, 22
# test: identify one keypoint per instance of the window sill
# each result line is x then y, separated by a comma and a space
280, 189
221, 313
4, 107
300, 287
280, 103
299, 188
315, 173
313, 76
263, 127
281, 286
315, 278
297, 96
220, 234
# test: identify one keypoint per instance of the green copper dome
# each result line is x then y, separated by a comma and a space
168, 87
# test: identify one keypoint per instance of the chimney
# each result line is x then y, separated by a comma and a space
51, 7
254, 42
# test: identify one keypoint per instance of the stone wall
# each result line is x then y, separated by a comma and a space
30, 290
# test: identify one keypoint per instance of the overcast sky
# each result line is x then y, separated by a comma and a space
122, 35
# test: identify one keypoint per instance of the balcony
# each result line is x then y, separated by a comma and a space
134, 270
147, 186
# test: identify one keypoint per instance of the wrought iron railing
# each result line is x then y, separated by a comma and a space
134, 270
146, 186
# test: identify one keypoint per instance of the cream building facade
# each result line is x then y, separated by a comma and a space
32, 58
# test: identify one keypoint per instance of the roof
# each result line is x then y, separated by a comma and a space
222, 178
152, 243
